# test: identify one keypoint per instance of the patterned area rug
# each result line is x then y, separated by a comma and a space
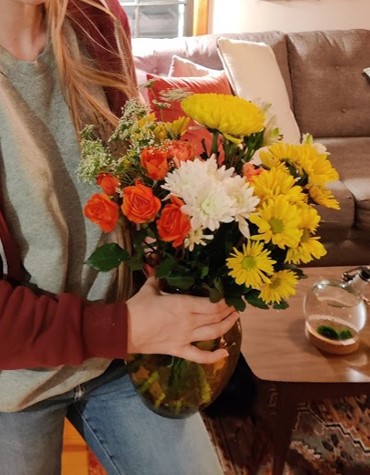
330, 438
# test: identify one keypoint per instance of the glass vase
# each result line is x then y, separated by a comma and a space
335, 314
176, 388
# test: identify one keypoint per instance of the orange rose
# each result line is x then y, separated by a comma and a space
173, 225
250, 171
181, 150
140, 205
108, 183
154, 160
102, 211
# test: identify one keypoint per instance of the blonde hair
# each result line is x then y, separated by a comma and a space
78, 75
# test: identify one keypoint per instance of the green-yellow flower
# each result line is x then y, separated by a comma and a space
281, 286
278, 222
252, 266
230, 115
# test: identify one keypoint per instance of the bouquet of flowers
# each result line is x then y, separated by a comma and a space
234, 222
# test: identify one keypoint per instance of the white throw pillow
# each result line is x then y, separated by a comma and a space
184, 67
254, 74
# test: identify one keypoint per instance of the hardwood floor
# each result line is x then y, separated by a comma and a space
75, 455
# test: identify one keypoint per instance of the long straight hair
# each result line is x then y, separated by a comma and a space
79, 74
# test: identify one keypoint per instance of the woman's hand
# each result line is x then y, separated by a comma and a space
168, 324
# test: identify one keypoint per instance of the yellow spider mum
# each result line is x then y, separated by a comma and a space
252, 266
276, 182
323, 196
278, 222
230, 115
316, 165
276, 154
308, 249
281, 286
178, 127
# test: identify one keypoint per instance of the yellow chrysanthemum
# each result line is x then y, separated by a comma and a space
281, 287
276, 182
323, 196
308, 249
278, 222
252, 266
230, 115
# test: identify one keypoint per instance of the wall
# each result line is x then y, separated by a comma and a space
287, 15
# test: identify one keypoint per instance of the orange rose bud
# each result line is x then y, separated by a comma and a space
140, 205
250, 171
154, 161
173, 224
108, 183
102, 211
181, 150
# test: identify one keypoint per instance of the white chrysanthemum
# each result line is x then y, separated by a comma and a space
210, 206
193, 174
197, 237
202, 187
245, 201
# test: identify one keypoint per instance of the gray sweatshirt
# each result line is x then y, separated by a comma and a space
39, 156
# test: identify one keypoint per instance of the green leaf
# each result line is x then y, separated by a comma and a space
137, 262
256, 301
164, 268
107, 257
180, 282
238, 303
281, 306
215, 295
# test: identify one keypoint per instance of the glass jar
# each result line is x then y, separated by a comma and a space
335, 313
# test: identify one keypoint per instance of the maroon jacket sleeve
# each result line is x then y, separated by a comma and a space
46, 331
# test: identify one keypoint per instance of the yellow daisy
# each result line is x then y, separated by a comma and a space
276, 182
230, 115
281, 286
278, 222
251, 266
323, 196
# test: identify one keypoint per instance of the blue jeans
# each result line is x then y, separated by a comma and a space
126, 437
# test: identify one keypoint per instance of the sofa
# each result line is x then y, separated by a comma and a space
329, 97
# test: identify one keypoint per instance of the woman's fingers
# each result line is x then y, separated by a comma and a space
192, 353
215, 330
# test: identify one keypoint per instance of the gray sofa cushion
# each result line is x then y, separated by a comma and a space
331, 95
351, 157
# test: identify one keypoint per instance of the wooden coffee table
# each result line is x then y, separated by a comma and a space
276, 349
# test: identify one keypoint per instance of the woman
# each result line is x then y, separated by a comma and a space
63, 334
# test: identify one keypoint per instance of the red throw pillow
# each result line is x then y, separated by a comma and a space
204, 84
